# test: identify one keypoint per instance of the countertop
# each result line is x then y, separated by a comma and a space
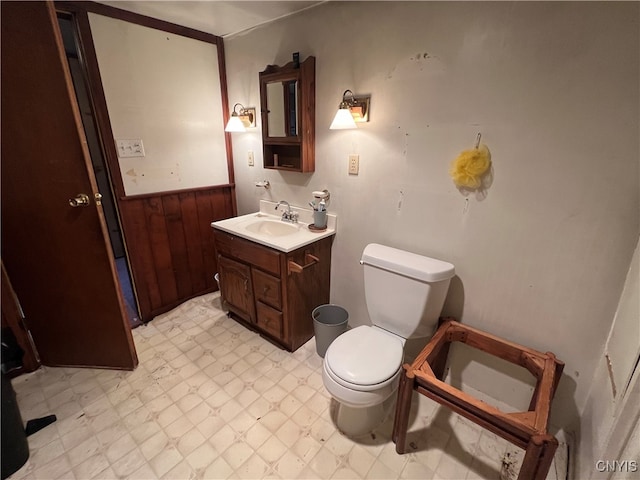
300, 236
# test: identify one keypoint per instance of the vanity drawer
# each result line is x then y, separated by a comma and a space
250, 252
267, 288
269, 320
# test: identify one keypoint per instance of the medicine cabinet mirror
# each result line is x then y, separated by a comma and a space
287, 102
282, 108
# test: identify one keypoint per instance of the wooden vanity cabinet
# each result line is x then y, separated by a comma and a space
271, 291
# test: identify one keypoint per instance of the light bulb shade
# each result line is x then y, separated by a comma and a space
235, 124
343, 120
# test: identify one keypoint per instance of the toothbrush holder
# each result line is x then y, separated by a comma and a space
320, 219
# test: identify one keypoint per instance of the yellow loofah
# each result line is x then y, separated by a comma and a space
467, 170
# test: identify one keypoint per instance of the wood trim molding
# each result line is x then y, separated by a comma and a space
79, 11
225, 110
98, 100
137, 18
161, 229
142, 196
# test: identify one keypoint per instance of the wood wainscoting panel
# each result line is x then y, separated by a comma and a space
170, 244
160, 245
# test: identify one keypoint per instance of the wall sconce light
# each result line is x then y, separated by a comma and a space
242, 119
352, 109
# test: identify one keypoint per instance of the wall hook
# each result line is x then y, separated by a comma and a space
478, 139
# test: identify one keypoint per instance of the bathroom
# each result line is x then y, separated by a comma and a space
543, 254
530, 77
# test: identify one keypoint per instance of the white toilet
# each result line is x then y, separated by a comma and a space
405, 293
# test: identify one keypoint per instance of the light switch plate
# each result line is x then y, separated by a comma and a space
354, 164
250, 158
130, 148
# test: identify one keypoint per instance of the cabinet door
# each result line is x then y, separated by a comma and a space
236, 288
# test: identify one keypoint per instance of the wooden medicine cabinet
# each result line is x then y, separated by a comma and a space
288, 107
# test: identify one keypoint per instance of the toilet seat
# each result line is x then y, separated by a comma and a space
364, 359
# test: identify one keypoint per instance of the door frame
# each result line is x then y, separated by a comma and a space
109, 195
79, 13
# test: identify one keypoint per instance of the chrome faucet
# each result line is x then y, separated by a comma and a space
288, 215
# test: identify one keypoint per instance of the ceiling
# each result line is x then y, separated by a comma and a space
222, 18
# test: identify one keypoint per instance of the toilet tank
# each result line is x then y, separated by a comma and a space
404, 291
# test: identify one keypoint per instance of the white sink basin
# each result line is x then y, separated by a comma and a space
268, 229
273, 228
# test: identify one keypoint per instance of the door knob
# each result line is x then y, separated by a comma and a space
80, 200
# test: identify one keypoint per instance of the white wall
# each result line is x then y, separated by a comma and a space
164, 89
554, 89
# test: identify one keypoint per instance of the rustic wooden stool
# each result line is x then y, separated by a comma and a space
527, 430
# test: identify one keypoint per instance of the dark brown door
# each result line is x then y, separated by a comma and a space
56, 255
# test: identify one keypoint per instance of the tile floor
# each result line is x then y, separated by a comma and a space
211, 399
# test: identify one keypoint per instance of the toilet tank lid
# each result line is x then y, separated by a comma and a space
409, 264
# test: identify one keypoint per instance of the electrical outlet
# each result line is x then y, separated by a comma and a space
250, 157
354, 164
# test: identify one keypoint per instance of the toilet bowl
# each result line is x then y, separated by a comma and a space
362, 367
361, 371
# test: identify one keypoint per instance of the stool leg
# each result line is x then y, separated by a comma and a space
441, 361
399, 403
399, 406
538, 457
403, 407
